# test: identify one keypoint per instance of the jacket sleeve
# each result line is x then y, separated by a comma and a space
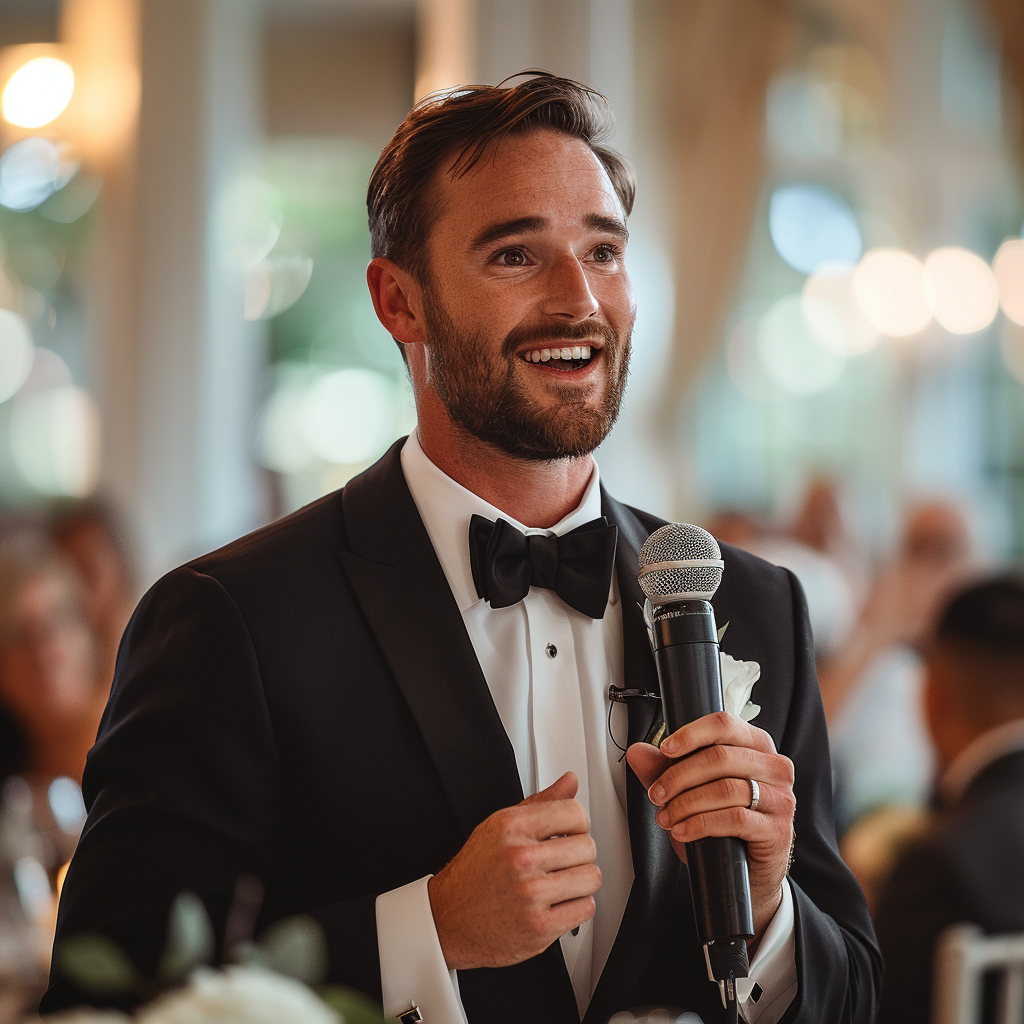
184, 790
839, 967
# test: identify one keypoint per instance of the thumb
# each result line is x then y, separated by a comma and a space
561, 789
648, 763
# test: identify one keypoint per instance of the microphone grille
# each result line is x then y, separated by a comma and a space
680, 542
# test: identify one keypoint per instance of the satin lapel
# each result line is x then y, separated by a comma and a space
655, 865
408, 604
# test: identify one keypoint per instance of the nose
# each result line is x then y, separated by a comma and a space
567, 294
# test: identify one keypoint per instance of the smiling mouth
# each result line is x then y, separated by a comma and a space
566, 358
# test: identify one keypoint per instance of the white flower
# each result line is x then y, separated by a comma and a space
239, 995
738, 678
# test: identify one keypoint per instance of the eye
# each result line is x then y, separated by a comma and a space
512, 258
605, 254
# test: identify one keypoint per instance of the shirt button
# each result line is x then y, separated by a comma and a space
551, 650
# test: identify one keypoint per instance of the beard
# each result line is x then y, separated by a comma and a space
484, 396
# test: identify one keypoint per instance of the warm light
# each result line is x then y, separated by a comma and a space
832, 313
889, 288
15, 353
1008, 267
791, 354
349, 416
38, 92
55, 440
960, 290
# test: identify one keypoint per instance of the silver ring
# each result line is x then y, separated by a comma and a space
755, 794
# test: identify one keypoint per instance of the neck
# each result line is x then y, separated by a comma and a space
536, 494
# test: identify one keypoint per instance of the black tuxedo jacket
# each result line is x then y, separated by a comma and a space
966, 869
305, 706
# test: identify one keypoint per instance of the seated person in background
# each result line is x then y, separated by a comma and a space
871, 685
967, 868
92, 537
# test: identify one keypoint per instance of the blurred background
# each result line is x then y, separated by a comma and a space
829, 353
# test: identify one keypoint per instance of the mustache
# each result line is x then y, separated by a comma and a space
582, 331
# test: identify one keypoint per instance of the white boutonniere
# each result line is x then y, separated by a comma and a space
738, 678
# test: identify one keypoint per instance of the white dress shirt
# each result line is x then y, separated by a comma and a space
548, 668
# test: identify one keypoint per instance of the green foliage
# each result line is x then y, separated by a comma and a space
96, 965
294, 947
189, 939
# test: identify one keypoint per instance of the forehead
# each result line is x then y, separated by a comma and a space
542, 174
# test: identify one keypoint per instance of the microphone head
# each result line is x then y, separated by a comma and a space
680, 562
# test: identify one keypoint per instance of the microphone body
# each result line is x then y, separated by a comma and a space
687, 656
680, 568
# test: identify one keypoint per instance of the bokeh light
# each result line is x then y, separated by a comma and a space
960, 290
38, 92
790, 353
811, 225
280, 441
1008, 268
888, 285
274, 284
744, 364
15, 353
55, 441
832, 314
249, 216
29, 173
349, 416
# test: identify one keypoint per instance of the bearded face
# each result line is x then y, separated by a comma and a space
510, 396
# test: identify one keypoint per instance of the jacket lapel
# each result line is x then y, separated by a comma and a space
409, 606
655, 865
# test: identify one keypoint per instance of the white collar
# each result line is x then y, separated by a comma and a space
988, 748
446, 507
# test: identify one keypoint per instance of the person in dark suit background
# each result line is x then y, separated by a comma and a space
967, 868
352, 703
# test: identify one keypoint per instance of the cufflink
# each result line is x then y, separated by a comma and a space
412, 1015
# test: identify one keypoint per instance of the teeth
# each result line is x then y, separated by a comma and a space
576, 352
535, 356
566, 353
585, 351
545, 354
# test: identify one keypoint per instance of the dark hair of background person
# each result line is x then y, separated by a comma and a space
984, 626
464, 123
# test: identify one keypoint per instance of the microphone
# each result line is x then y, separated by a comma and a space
680, 568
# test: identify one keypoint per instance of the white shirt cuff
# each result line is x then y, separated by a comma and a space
412, 965
773, 969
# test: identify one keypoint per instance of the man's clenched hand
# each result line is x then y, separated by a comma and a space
524, 877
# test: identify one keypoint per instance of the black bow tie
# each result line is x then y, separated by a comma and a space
577, 567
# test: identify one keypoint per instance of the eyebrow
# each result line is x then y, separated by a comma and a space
526, 225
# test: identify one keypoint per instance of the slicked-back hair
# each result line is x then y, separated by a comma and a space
458, 126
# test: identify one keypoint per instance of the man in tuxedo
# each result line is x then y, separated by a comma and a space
391, 707
967, 867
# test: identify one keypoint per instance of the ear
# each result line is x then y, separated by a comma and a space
397, 301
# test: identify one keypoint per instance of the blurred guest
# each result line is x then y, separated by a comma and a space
50, 704
94, 540
871, 685
967, 868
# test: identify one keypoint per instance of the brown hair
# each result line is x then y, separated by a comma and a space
466, 121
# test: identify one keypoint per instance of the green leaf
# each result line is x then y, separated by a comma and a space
97, 966
353, 1007
296, 947
189, 938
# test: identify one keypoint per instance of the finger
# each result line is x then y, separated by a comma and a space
570, 884
647, 762
564, 788
552, 818
716, 796
720, 727
750, 826
556, 854
565, 916
721, 762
